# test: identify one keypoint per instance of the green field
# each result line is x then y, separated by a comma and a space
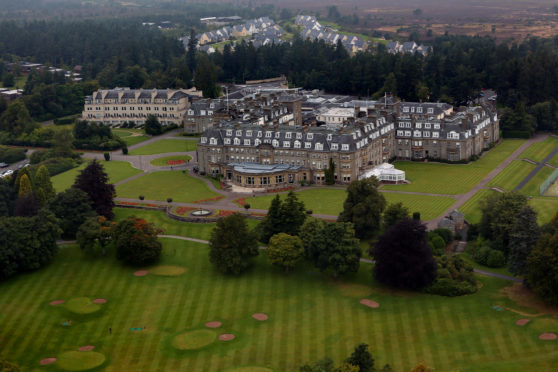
166, 145
130, 136
310, 316
19, 82
471, 208
170, 226
166, 184
546, 208
330, 202
162, 162
512, 175
451, 179
533, 187
116, 170
538, 151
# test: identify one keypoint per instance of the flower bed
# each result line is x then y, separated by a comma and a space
183, 211
225, 213
240, 201
280, 190
210, 200
175, 162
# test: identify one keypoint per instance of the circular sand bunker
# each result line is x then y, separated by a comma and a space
82, 305
80, 361
370, 303
260, 316
548, 336
140, 273
213, 324
522, 322
194, 340
167, 270
227, 337
99, 301
47, 361
56, 302
86, 348
250, 369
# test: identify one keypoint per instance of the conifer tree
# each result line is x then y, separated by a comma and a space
94, 181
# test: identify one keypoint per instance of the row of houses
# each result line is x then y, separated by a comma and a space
25, 68
313, 30
395, 47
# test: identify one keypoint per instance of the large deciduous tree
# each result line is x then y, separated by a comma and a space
72, 207
403, 257
94, 182
394, 213
152, 126
363, 207
136, 242
232, 245
542, 268
285, 251
95, 234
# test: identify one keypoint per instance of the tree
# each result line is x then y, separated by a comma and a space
542, 268
43, 184
271, 224
363, 207
152, 126
330, 173
232, 245
403, 257
8, 80
285, 251
16, 119
417, 12
499, 213
72, 207
62, 143
523, 238
94, 234
191, 52
205, 77
293, 214
361, 358
394, 213
25, 190
421, 367
518, 119
135, 241
331, 246
7, 198
94, 182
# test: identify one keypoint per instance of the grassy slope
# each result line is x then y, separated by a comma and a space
546, 208
330, 201
164, 146
126, 135
453, 178
512, 175
169, 184
471, 207
538, 151
532, 188
116, 170
309, 316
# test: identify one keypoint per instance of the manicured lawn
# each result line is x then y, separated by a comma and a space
546, 208
310, 316
166, 145
170, 226
498, 270
330, 201
131, 136
451, 179
538, 151
471, 207
512, 175
163, 162
533, 187
116, 170
168, 184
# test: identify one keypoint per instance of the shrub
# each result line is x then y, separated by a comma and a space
141, 197
56, 165
450, 288
458, 236
445, 234
437, 243
416, 216
309, 211
125, 150
107, 156
246, 206
11, 155
495, 259
169, 200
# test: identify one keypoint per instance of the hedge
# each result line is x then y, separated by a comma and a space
10, 155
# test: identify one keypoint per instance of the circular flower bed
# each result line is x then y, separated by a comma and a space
175, 162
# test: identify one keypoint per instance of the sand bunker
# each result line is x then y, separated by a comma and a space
227, 337
522, 322
56, 302
82, 305
140, 273
547, 336
259, 316
47, 361
370, 303
213, 324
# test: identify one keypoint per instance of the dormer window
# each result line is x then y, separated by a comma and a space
286, 144
259, 134
213, 141
419, 110
268, 134
204, 140
405, 109
329, 136
229, 132
307, 145
246, 142
345, 147
277, 134
227, 141
237, 141
299, 136
239, 133
319, 146
275, 143
310, 136
334, 146
297, 144
288, 135
257, 142
248, 133
430, 110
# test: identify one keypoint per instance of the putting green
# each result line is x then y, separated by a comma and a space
194, 340
80, 360
167, 270
82, 305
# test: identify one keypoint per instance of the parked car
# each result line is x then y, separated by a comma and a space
3, 165
7, 173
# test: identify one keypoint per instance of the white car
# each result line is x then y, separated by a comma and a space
7, 173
